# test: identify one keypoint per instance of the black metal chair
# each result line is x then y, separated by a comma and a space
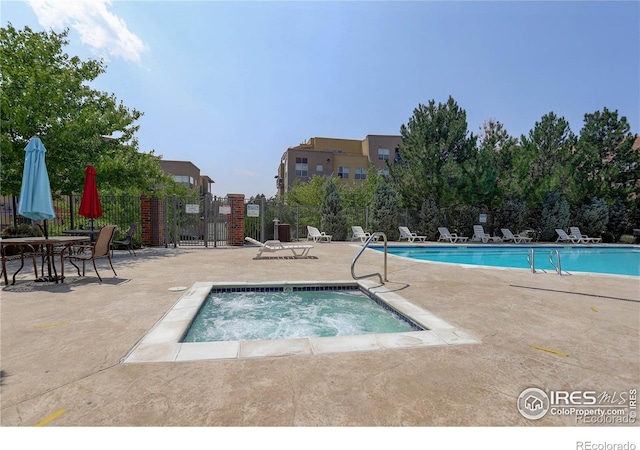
128, 239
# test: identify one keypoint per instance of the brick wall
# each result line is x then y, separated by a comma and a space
235, 226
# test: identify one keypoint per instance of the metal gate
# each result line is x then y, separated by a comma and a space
199, 221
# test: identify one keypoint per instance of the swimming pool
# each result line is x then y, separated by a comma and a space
164, 342
232, 315
614, 260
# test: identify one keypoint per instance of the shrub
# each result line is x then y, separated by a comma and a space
555, 214
592, 218
512, 214
618, 220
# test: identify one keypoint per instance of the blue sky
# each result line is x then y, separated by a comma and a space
230, 85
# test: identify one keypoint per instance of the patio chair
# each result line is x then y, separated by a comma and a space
564, 237
480, 235
272, 246
405, 233
313, 234
515, 238
128, 240
101, 248
358, 234
450, 237
583, 238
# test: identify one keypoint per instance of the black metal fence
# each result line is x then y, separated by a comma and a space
121, 210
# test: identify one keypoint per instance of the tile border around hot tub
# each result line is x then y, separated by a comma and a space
162, 342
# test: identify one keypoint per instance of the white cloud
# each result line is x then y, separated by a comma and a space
99, 28
246, 173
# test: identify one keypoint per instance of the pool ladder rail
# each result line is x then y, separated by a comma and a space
531, 258
374, 236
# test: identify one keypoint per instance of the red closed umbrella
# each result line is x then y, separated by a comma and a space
90, 206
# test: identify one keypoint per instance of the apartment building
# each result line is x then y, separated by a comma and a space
187, 173
346, 159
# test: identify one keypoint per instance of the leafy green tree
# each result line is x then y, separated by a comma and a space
45, 92
609, 167
435, 142
384, 210
361, 194
542, 161
309, 193
334, 221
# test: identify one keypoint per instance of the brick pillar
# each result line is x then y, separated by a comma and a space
157, 221
145, 214
235, 225
152, 213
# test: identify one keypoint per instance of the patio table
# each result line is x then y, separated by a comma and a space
81, 232
41, 242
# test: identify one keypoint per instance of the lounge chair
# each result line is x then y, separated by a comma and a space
405, 233
272, 246
313, 234
584, 239
480, 235
450, 237
564, 237
127, 241
359, 234
515, 238
101, 248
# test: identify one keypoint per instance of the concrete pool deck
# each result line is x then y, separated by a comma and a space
62, 347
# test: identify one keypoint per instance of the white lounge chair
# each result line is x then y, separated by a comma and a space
358, 234
516, 238
480, 235
564, 237
272, 246
405, 233
583, 238
313, 234
450, 237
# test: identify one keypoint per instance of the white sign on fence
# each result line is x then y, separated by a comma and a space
192, 209
253, 210
483, 218
224, 209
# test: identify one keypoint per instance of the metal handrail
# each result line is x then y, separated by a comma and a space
366, 244
531, 258
559, 266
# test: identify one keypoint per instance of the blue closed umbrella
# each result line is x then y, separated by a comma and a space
35, 194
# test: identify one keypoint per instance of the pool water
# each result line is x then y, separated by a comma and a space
621, 260
251, 315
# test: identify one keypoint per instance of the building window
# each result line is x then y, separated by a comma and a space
383, 154
384, 172
319, 168
360, 173
302, 167
184, 179
343, 172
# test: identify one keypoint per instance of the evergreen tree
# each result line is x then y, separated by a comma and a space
384, 210
334, 221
